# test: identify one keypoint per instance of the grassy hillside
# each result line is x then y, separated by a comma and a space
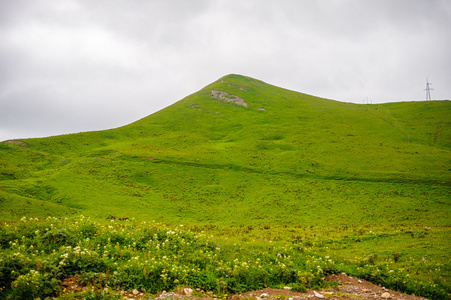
251, 161
285, 149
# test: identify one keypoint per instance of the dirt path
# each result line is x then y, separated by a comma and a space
349, 288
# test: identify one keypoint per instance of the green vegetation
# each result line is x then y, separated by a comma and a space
366, 185
150, 257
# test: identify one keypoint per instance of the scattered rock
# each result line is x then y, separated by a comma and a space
349, 288
187, 291
287, 288
318, 295
261, 108
228, 97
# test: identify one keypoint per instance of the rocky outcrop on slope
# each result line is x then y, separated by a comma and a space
228, 97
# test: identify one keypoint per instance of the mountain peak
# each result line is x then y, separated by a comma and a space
237, 79
233, 76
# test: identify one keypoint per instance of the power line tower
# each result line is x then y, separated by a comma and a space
428, 90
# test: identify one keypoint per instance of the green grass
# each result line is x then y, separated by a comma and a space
350, 181
148, 256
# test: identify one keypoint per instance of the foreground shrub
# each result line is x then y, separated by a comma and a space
152, 258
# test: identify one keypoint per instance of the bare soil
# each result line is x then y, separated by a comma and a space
16, 142
349, 288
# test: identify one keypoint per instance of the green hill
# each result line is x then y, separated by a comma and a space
277, 148
240, 157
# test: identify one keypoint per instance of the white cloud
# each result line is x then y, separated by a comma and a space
86, 65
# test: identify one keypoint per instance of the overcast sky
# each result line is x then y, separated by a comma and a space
68, 66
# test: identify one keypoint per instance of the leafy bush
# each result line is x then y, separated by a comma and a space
154, 258
27, 286
298, 287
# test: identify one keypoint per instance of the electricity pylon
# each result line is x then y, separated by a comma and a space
428, 90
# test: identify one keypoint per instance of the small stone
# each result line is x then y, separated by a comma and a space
187, 291
287, 288
386, 295
359, 281
198, 290
264, 295
135, 292
318, 295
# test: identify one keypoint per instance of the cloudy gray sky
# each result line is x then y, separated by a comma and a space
79, 65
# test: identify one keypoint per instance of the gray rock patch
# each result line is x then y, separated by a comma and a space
228, 97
